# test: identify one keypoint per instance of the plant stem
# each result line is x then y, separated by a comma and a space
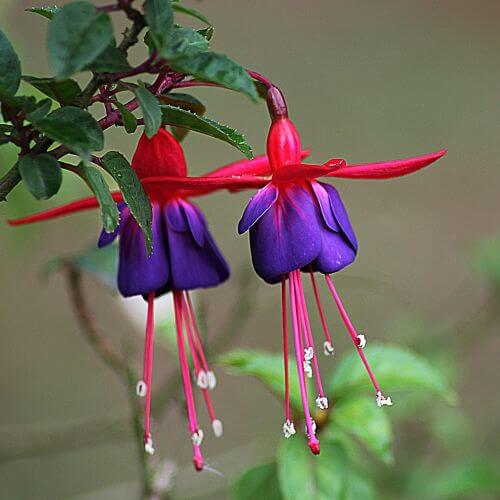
9, 181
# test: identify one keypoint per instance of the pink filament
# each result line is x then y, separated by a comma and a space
313, 442
148, 364
196, 330
198, 459
288, 413
322, 315
352, 331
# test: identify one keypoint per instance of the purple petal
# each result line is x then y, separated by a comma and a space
287, 236
107, 238
196, 221
341, 214
336, 253
325, 205
258, 205
138, 273
175, 216
194, 265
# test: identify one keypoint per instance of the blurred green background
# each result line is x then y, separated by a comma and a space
365, 81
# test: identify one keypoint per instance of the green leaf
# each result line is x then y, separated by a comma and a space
185, 119
77, 35
396, 370
47, 12
111, 60
75, 128
303, 476
95, 181
64, 92
184, 101
160, 19
185, 42
41, 174
41, 110
208, 33
151, 110
361, 418
266, 367
258, 482
128, 118
217, 68
10, 67
133, 192
21, 104
191, 12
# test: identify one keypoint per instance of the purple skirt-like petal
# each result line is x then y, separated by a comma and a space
107, 238
288, 235
138, 272
195, 260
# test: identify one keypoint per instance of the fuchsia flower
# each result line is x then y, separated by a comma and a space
296, 225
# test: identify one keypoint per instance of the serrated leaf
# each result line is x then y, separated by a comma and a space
396, 370
133, 192
41, 110
111, 60
10, 67
151, 110
95, 181
77, 35
47, 12
160, 19
64, 92
128, 118
265, 367
41, 174
185, 42
258, 482
191, 12
361, 418
181, 118
216, 68
184, 101
75, 128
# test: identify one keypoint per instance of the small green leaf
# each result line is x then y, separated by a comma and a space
258, 482
185, 119
41, 174
133, 192
266, 367
184, 101
395, 368
128, 118
64, 92
21, 104
10, 67
362, 418
217, 68
41, 110
191, 12
160, 19
185, 42
77, 35
151, 110
95, 181
47, 12
75, 128
111, 60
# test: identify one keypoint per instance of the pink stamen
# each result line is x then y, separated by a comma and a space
352, 332
288, 413
197, 336
302, 308
313, 442
196, 435
148, 365
322, 315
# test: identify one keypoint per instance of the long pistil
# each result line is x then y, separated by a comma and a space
288, 426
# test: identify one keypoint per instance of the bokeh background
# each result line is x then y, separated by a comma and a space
365, 81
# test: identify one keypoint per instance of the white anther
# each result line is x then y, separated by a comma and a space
288, 429
211, 380
197, 437
141, 388
313, 428
308, 353
217, 428
148, 447
202, 379
383, 401
361, 341
322, 402
328, 349
308, 369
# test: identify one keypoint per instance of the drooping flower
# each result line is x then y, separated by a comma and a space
300, 225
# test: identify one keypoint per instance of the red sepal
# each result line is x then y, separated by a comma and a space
292, 173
